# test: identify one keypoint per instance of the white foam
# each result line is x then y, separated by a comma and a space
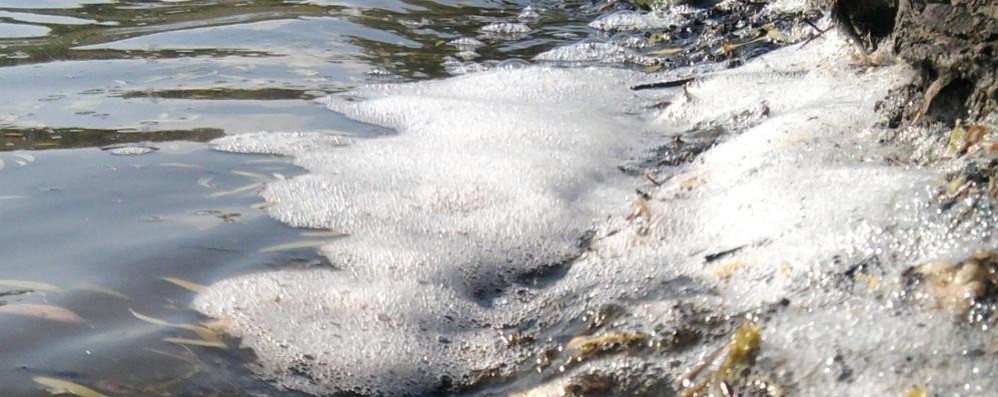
453, 208
639, 21
594, 52
283, 143
466, 43
505, 28
497, 174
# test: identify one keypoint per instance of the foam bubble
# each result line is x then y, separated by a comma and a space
638, 21
594, 52
505, 28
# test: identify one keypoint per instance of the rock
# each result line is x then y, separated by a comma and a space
952, 43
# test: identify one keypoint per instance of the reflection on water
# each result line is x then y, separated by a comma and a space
101, 248
177, 66
92, 235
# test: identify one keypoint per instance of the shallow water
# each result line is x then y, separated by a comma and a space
486, 238
105, 188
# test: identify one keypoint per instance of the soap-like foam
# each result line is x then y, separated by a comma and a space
640, 21
493, 178
588, 52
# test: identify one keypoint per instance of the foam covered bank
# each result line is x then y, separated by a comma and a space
547, 230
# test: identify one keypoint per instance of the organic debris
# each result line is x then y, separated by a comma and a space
208, 336
188, 285
47, 312
30, 285
725, 270
957, 287
916, 391
296, 245
734, 375
64, 386
717, 32
585, 347
961, 139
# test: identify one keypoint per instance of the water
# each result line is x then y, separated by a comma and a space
107, 186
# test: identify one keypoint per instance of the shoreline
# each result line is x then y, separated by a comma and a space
798, 217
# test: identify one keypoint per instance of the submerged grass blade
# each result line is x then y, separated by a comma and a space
32, 285
295, 245
196, 342
47, 312
666, 51
251, 175
205, 333
237, 190
188, 285
101, 290
56, 385
262, 205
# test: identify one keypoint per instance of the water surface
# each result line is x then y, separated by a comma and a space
108, 190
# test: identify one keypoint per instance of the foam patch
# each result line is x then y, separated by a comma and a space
494, 177
491, 178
